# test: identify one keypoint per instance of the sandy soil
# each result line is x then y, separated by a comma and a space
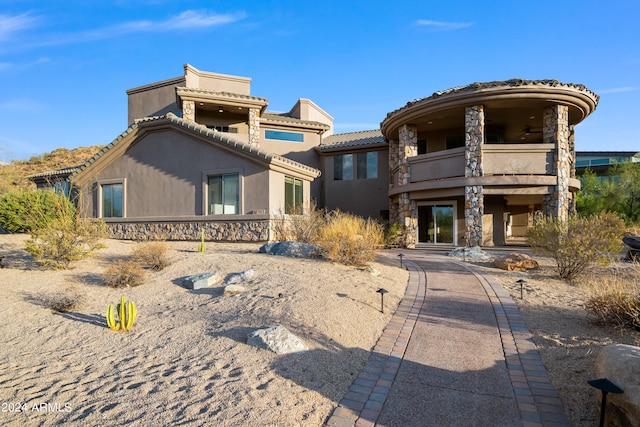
567, 336
186, 361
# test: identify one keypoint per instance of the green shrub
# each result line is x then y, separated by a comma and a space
152, 255
66, 238
124, 274
349, 239
395, 235
615, 299
577, 243
24, 211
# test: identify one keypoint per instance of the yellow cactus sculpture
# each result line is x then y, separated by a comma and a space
127, 312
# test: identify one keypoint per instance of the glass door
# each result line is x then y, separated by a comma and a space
436, 224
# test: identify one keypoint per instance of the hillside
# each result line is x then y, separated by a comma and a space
13, 176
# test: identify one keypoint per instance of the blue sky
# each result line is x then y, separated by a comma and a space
65, 65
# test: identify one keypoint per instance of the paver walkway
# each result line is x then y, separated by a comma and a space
455, 353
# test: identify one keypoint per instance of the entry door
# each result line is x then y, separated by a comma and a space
435, 224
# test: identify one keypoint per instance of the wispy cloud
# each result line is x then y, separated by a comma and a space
11, 24
442, 25
22, 105
617, 90
21, 66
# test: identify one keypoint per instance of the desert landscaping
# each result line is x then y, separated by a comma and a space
186, 360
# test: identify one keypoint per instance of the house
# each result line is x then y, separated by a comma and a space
470, 165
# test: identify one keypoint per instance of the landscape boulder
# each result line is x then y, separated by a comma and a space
202, 280
633, 243
277, 339
235, 278
469, 253
234, 289
291, 249
515, 262
620, 364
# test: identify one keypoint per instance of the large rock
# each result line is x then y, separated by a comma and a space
469, 253
515, 262
202, 280
291, 249
235, 278
277, 339
620, 364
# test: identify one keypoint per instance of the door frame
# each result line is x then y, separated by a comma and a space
451, 203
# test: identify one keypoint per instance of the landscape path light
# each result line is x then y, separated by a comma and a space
382, 291
400, 255
521, 282
605, 386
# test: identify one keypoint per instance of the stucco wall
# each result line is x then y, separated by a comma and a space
169, 165
153, 100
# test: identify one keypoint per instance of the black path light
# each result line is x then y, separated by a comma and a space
605, 386
382, 291
400, 255
521, 282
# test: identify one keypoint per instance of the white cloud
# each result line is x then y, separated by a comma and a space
617, 90
11, 24
441, 25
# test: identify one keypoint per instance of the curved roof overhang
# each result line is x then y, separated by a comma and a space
505, 95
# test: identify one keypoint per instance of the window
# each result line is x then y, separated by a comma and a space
367, 165
221, 128
422, 146
224, 194
284, 136
112, 200
343, 167
455, 141
293, 201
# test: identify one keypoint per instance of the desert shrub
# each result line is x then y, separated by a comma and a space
24, 211
615, 299
152, 255
66, 238
577, 243
65, 302
349, 239
303, 228
395, 235
124, 274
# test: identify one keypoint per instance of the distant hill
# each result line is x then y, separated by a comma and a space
13, 176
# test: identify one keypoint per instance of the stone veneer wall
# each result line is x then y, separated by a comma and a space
189, 110
556, 131
254, 126
394, 209
474, 198
232, 231
408, 212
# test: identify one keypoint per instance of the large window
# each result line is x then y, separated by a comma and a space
455, 141
367, 165
343, 167
284, 136
224, 194
293, 201
112, 200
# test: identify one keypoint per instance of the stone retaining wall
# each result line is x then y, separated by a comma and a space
231, 231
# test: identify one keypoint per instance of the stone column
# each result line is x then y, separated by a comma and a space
189, 110
394, 208
254, 126
407, 148
474, 198
556, 131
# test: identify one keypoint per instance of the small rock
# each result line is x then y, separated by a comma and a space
234, 289
199, 281
239, 277
277, 339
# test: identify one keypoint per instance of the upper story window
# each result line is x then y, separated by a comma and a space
221, 128
455, 141
343, 167
224, 194
367, 165
112, 200
283, 136
422, 146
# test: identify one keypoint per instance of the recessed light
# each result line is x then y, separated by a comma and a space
532, 117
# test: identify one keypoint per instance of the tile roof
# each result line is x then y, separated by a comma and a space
57, 172
352, 139
285, 118
498, 83
202, 130
223, 94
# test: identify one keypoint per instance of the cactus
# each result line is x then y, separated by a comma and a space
201, 246
127, 313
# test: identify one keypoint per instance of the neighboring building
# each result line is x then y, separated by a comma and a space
469, 165
601, 162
